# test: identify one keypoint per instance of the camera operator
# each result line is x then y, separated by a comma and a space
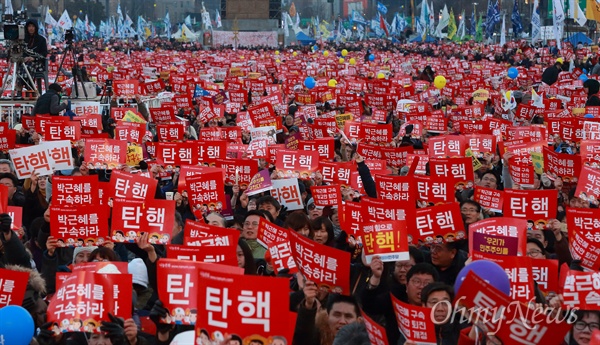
34, 54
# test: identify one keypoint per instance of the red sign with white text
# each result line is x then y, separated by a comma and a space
78, 226
131, 218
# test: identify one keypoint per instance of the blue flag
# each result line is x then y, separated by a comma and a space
358, 18
473, 24
381, 8
199, 92
493, 17
515, 18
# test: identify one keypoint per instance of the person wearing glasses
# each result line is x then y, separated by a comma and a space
535, 249
376, 297
250, 232
587, 322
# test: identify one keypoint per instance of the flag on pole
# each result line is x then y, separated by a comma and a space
292, 10
188, 20
479, 31
515, 18
461, 28
284, 24
65, 21
576, 13
358, 18
8, 9
451, 25
205, 18
119, 12
383, 25
443, 23
558, 21
218, 19
431, 19
592, 12
381, 8
502, 31
493, 17
167, 22
536, 27
473, 30
49, 19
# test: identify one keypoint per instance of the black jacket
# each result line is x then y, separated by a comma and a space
49, 103
550, 75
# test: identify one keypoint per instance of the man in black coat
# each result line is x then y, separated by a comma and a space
550, 75
49, 103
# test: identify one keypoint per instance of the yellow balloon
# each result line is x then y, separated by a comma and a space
380, 75
294, 53
352, 61
341, 60
439, 82
332, 83
278, 61
277, 52
241, 57
344, 52
326, 53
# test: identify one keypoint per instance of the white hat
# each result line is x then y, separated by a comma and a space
138, 270
78, 250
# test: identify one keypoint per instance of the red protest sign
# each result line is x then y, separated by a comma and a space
281, 257
350, 216
85, 299
131, 132
3, 198
324, 265
519, 273
251, 307
164, 114
438, 224
377, 333
327, 195
60, 130
588, 186
16, 214
457, 169
208, 254
127, 88
584, 239
434, 189
447, 146
389, 240
545, 274
178, 285
337, 172
298, 164
590, 152
414, 322
128, 186
78, 226
561, 164
170, 132
579, 289
535, 205
209, 151
238, 171
269, 233
104, 267
131, 218
515, 325
7, 139
488, 198
105, 153
206, 192
501, 235
13, 285
177, 154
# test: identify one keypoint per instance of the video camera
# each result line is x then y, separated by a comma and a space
14, 26
69, 36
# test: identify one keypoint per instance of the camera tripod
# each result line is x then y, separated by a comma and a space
76, 71
16, 62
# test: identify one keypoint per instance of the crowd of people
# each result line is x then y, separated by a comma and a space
363, 70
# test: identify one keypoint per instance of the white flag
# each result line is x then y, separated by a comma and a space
218, 19
284, 24
503, 32
65, 21
49, 19
576, 13
443, 23
188, 20
536, 29
558, 21
8, 9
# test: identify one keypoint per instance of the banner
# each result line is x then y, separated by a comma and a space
178, 283
128, 186
329, 268
253, 308
488, 198
248, 39
588, 185
75, 190
499, 235
287, 192
43, 158
438, 224
85, 299
131, 218
537, 206
269, 233
79, 226
414, 322
13, 285
105, 153
389, 240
